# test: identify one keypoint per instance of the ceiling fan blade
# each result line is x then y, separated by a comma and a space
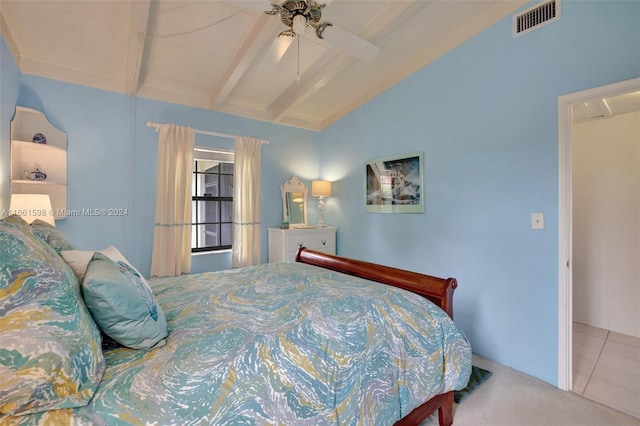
278, 48
350, 43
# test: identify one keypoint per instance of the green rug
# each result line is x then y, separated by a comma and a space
478, 377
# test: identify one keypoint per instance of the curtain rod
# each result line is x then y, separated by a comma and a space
202, 132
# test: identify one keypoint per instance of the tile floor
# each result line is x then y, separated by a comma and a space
606, 367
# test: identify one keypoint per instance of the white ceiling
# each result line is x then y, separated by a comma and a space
223, 55
606, 107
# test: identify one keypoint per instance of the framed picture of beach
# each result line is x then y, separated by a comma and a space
394, 185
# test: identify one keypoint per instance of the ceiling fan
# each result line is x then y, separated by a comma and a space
298, 15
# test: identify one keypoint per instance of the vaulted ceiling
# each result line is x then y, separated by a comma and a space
226, 55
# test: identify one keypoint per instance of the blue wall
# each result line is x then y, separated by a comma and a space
485, 115
9, 87
112, 162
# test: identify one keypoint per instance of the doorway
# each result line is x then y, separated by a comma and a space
566, 105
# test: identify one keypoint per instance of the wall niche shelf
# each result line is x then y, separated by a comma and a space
49, 158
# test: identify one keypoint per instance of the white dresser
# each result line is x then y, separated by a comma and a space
284, 243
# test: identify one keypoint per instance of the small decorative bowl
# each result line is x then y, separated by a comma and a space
39, 138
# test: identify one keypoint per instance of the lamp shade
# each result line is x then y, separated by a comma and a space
321, 188
32, 206
297, 197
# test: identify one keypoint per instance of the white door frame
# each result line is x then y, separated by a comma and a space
565, 277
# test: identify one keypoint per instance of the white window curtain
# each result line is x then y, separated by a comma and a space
172, 232
247, 249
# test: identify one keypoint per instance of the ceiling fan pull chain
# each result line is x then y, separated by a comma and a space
298, 77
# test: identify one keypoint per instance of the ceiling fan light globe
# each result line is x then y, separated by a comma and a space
299, 24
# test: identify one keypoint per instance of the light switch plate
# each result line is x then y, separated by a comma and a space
537, 221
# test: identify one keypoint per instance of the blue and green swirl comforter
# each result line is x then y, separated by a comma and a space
279, 343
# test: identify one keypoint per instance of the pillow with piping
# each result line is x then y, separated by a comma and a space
122, 304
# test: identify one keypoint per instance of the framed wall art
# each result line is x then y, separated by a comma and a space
394, 185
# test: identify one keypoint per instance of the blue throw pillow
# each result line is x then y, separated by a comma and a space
122, 304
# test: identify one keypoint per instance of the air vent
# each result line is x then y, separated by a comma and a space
536, 17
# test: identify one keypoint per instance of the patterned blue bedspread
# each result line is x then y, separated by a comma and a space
279, 343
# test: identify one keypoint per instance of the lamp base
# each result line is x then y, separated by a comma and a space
321, 212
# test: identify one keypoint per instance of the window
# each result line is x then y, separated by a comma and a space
212, 199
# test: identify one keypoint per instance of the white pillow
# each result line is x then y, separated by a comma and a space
78, 260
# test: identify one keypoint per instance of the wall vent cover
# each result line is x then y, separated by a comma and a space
536, 17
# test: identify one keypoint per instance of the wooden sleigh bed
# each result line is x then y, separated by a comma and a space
438, 290
316, 341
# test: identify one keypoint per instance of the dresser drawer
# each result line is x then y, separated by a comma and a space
297, 240
324, 242
284, 243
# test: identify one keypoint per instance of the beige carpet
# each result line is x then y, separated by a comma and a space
510, 398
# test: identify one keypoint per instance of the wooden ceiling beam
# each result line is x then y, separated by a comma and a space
8, 38
249, 52
140, 11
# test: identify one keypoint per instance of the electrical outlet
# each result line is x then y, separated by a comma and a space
537, 221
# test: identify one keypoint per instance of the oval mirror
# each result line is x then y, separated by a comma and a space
294, 202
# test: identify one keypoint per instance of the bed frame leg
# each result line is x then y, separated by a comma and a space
443, 403
445, 412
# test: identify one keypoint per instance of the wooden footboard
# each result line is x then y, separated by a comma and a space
438, 290
443, 403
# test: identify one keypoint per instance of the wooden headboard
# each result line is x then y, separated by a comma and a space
438, 290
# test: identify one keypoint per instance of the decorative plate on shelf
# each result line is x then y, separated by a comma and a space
39, 138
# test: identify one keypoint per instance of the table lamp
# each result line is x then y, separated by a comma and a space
321, 189
32, 206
